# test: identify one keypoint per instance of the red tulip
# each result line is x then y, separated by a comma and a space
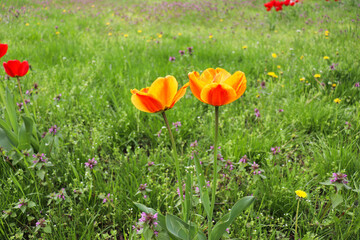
3, 49
15, 68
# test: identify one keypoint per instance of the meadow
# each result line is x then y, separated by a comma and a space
296, 127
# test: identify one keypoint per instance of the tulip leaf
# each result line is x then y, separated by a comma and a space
220, 227
5, 141
204, 194
179, 228
11, 110
25, 133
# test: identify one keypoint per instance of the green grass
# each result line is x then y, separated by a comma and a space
94, 72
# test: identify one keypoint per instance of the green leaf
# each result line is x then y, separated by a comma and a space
204, 194
41, 174
336, 200
25, 133
11, 110
188, 194
147, 233
31, 204
5, 141
9, 133
178, 227
47, 229
220, 227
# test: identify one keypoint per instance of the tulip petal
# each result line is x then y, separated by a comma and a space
3, 49
8, 70
179, 94
218, 94
221, 75
196, 85
237, 81
164, 90
146, 103
208, 75
23, 68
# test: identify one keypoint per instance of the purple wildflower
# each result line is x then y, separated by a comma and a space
281, 110
255, 168
172, 59
53, 130
176, 125
91, 163
40, 157
190, 50
263, 84
275, 150
58, 97
257, 113
339, 178
357, 84
182, 52
183, 189
243, 159
21, 203
41, 222
194, 144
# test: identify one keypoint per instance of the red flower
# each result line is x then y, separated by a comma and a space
3, 49
15, 68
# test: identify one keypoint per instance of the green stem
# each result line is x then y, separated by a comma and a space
214, 183
22, 97
176, 161
296, 218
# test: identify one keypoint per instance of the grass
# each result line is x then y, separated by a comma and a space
95, 70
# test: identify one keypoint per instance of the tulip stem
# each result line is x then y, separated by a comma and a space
22, 96
214, 183
176, 162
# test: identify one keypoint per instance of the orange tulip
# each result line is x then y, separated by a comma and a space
160, 96
217, 87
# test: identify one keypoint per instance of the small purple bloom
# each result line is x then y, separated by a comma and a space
58, 97
339, 178
176, 125
357, 84
182, 52
263, 84
172, 59
281, 110
243, 159
91, 163
275, 150
53, 130
194, 144
41, 222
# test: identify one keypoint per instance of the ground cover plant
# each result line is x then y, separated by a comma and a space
80, 161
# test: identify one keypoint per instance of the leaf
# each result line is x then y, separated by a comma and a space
31, 204
147, 233
220, 227
9, 133
336, 199
178, 227
47, 229
41, 174
5, 141
204, 194
25, 133
11, 110
188, 194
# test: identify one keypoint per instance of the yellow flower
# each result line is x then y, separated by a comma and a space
302, 79
179, 34
272, 74
57, 33
302, 57
126, 35
275, 31
110, 34
278, 66
337, 100
64, 11
274, 55
221, 20
108, 23
244, 47
27, 24
282, 85
159, 35
257, 96
92, 6
301, 194
334, 85
139, 31
210, 36
326, 33
317, 75
326, 58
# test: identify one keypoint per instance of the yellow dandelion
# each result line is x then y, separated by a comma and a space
315, 32
337, 100
334, 85
276, 31
326, 58
272, 74
307, 81
278, 66
110, 34
317, 75
257, 96
139, 31
274, 55
57, 33
326, 33
302, 79
282, 85
210, 36
337, 53
108, 23
221, 20
244, 47
36, 23
179, 34
27, 24
92, 6
159, 35
148, 40
126, 35
301, 194
64, 11
302, 57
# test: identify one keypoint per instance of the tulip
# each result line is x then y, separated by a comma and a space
15, 68
3, 49
217, 87
160, 96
